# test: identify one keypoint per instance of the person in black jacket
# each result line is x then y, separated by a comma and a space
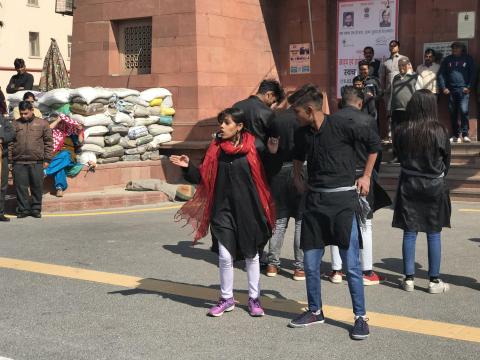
258, 108
21, 81
423, 201
7, 134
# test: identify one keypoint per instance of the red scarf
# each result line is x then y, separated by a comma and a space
197, 211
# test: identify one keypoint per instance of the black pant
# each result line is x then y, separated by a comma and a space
3, 184
28, 176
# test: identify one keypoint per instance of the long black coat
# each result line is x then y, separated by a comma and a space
422, 203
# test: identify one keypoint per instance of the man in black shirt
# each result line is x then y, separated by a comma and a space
257, 108
21, 81
328, 143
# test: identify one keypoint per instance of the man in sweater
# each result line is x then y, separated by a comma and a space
404, 84
30, 153
21, 81
456, 78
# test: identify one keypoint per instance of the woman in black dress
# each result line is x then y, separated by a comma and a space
423, 201
234, 200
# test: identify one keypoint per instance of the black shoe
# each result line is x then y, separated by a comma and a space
36, 214
3, 218
360, 330
22, 215
306, 319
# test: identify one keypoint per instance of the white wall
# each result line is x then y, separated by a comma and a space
19, 19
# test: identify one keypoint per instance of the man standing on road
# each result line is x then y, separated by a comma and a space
257, 108
331, 205
30, 153
21, 81
456, 79
7, 134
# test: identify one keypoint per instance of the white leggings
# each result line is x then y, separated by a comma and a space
225, 263
366, 258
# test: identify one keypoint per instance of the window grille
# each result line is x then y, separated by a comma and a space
135, 46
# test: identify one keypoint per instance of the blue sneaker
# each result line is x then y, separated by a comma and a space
360, 330
306, 319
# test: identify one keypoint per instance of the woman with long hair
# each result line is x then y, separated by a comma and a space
234, 200
423, 201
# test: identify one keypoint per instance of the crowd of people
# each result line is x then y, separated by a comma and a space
266, 166
33, 148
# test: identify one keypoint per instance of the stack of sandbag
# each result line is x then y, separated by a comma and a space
54, 101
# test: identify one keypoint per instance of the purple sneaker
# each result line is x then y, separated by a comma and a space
222, 306
254, 307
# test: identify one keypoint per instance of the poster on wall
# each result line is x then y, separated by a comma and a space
362, 23
300, 58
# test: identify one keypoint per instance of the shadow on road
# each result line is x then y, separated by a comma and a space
396, 265
204, 297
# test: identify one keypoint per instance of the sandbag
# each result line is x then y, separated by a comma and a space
163, 138
144, 140
124, 119
122, 92
126, 143
155, 110
109, 160
113, 151
96, 131
112, 139
165, 120
140, 111
145, 121
89, 94
167, 112
14, 99
95, 120
55, 96
137, 131
131, 157
136, 100
118, 129
156, 129
87, 110
95, 140
150, 155
156, 102
87, 157
150, 94
167, 102
136, 151
60, 108
92, 148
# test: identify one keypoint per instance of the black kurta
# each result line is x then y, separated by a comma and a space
423, 202
331, 162
238, 220
288, 202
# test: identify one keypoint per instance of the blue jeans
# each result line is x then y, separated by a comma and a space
58, 168
434, 253
351, 261
458, 103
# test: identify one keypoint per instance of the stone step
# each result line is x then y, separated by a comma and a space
456, 169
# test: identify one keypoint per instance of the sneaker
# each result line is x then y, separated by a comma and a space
59, 193
372, 279
299, 275
255, 308
272, 270
306, 319
466, 139
455, 139
223, 305
23, 215
360, 330
36, 214
3, 218
335, 277
408, 285
438, 287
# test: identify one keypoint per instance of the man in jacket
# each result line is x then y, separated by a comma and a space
30, 153
257, 108
7, 134
456, 78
